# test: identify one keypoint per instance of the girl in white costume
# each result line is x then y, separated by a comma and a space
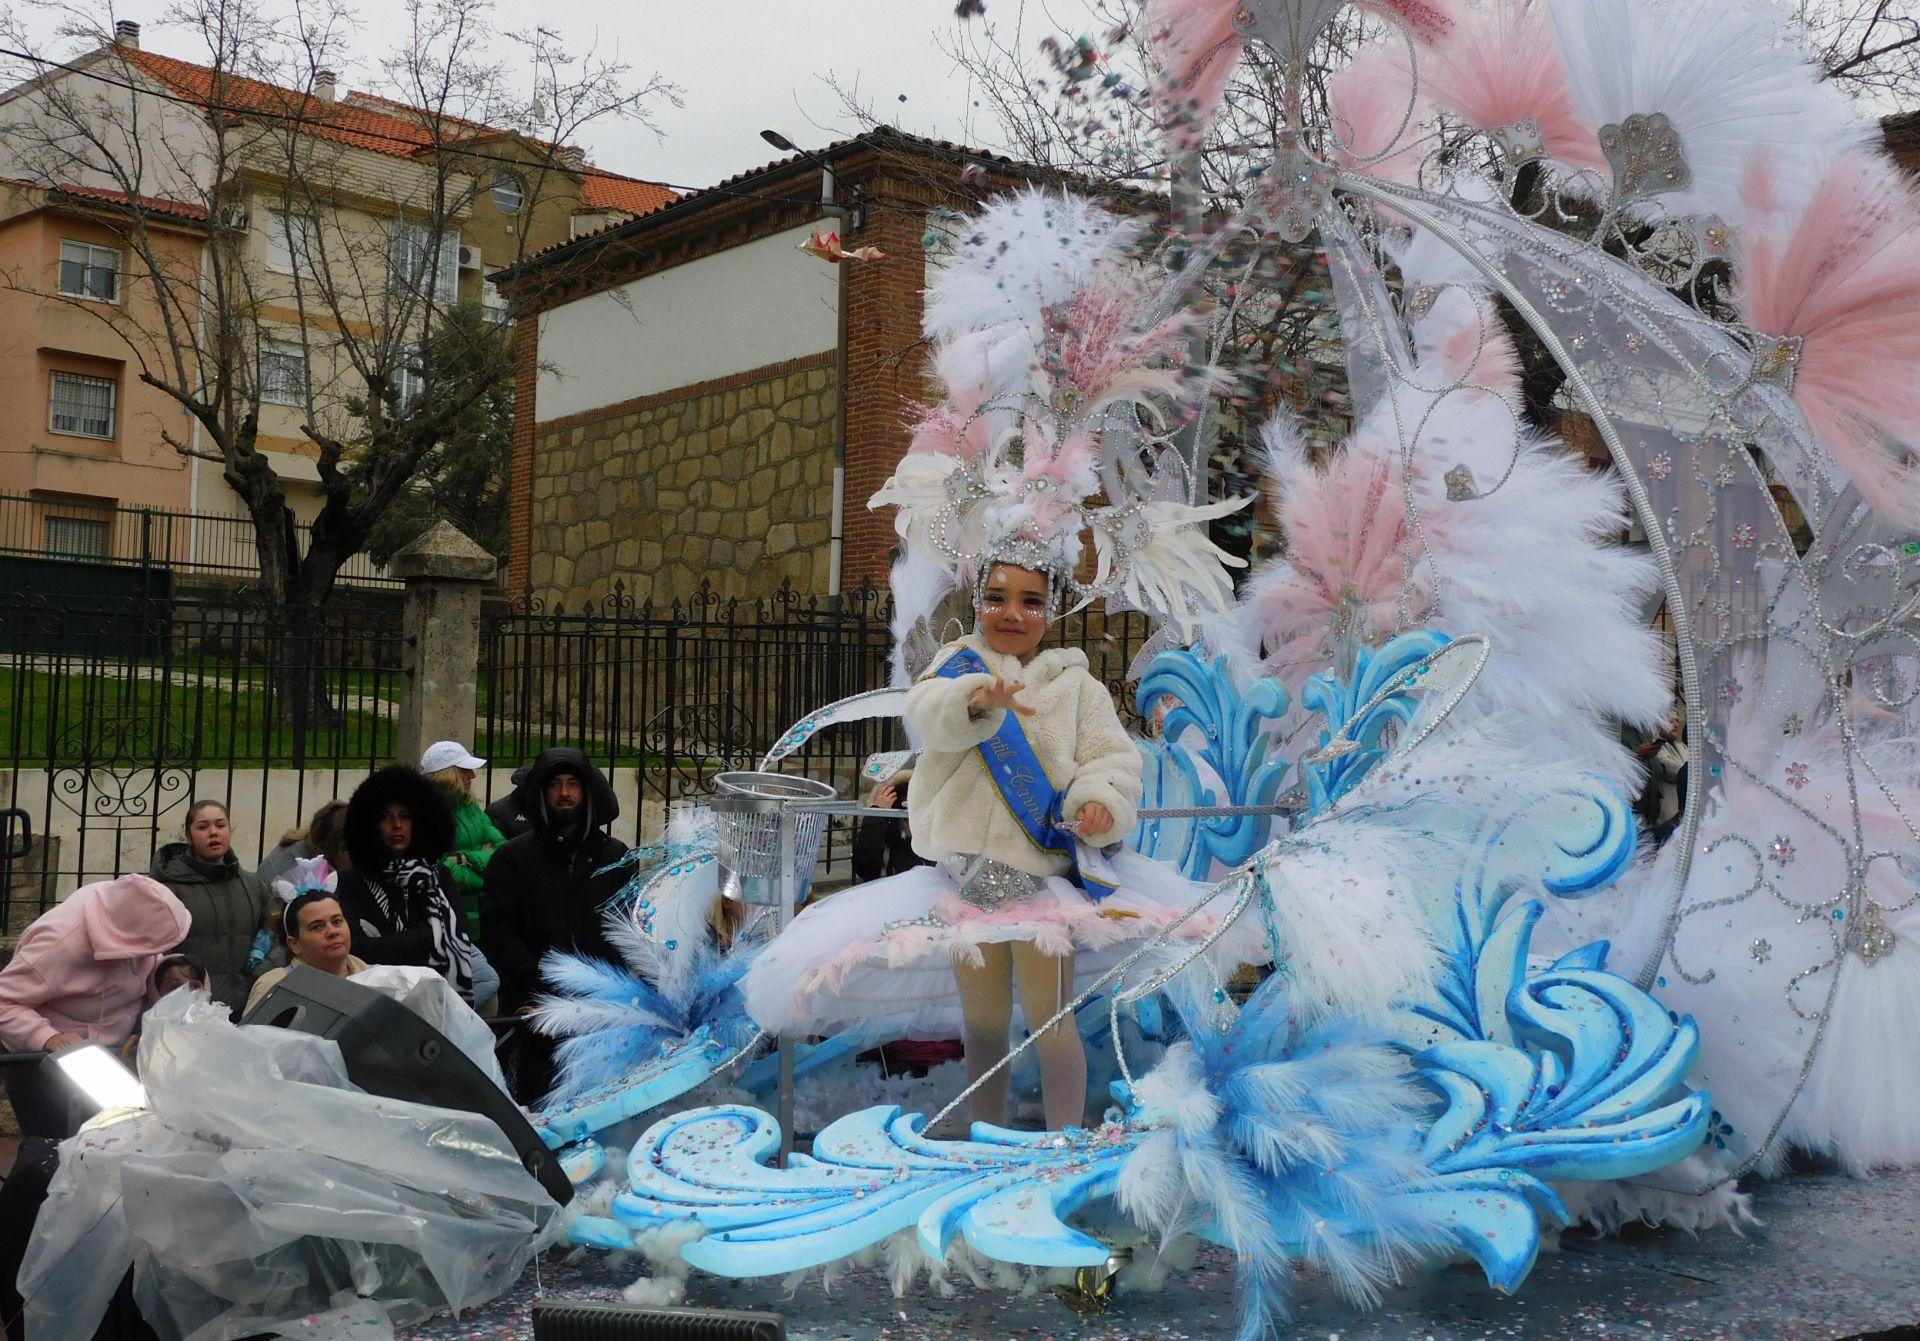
1016, 740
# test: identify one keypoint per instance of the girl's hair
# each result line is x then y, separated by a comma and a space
449, 781
206, 803
290, 915
304, 834
195, 969
327, 833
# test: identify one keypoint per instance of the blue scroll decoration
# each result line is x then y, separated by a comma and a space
1235, 744
1337, 701
871, 1175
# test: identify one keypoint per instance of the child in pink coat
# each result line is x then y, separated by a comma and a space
84, 969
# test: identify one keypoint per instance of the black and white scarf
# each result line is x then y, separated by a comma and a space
407, 884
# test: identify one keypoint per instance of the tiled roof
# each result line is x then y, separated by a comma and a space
878, 137
364, 121
606, 191
348, 122
179, 209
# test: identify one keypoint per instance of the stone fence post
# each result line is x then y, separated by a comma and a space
445, 574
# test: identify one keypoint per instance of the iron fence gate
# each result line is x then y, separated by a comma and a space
115, 714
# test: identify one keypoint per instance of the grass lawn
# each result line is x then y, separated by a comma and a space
230, 718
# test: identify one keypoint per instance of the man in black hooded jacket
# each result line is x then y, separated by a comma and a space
546, 889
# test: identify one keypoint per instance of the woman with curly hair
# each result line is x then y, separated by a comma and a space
398, 898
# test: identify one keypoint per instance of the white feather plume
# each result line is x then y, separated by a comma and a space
1724, 76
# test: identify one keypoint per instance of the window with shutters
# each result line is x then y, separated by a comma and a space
87, 271
290, 247
81, 406
423, 264
283, 375
76, 537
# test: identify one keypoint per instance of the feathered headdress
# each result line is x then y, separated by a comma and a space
310, 875
1057, 373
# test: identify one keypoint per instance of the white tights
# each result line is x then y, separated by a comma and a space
1045, 983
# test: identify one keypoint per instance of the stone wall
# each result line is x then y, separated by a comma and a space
729, 482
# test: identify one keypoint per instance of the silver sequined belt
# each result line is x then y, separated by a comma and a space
988, 884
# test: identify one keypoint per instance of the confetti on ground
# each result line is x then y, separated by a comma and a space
1833, 1257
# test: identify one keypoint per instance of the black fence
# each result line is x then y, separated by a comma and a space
115, 713
668, 696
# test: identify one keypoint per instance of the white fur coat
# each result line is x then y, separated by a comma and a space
953, 805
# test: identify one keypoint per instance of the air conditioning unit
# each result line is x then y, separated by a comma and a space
469, 258
234, 217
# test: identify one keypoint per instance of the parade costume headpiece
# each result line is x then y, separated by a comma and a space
1059, 361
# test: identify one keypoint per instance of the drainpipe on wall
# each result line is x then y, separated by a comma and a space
836, 534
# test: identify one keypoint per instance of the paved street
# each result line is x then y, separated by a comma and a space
1833, 1258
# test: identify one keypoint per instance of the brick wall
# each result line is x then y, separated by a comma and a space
886, 371
526, 379
728, 482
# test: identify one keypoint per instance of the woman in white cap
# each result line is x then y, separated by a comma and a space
452, 767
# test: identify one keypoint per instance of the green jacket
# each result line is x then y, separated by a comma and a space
474, 840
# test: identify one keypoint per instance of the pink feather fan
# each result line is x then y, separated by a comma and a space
1500, 66
1099, 348
1198, 46
1347, 547
1377, 116
1844, 279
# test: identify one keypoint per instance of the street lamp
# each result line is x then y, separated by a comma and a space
852, 217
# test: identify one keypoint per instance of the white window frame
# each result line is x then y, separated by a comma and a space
87, 267
93, 526
53, 404
283, 256
519, 191
495, 304
409, 254
409, 380
292, 395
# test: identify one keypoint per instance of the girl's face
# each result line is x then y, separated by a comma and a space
208, 834
1013, 610
396, 828
176, 977
323, 939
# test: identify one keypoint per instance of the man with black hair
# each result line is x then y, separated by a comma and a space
548, 889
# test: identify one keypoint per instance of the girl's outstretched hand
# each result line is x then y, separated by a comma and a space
999, 694
1093, 818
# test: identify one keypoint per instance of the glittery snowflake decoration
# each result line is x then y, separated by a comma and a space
1790, 724
1761, 950
1781, 849
1660, 466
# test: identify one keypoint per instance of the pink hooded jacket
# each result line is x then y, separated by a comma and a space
86, 966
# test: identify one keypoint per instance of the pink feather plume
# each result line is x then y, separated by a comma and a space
1844, 278
1430, 21
1500, 66
1347, 540
1103, 354
1197, 46
1377, 115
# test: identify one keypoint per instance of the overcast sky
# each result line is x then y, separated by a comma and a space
743, 65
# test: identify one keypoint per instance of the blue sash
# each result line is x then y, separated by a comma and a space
1029, 795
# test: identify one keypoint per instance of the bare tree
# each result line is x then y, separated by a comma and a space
328, 272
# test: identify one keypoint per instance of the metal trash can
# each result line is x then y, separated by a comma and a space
749, 811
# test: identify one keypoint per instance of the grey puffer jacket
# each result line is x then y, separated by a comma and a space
226, 903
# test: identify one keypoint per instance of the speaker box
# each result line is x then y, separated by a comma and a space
394, 1053
571, 1321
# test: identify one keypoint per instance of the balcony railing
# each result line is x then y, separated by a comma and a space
205, 543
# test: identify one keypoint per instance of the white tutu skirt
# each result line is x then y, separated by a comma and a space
882, 955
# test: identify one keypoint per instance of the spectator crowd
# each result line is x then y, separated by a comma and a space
409, 869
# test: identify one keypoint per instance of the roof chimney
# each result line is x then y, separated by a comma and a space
571, 157
325, 86
126, 33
